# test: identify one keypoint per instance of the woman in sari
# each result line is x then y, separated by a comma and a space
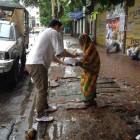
90, 63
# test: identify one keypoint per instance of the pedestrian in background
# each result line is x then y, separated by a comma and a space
47, 46
90, 63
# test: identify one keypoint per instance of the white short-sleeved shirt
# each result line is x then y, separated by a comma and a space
47, 44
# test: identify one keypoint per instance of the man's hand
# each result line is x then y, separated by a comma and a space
65, 53
76, 55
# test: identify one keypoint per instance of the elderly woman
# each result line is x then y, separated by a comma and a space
90, 63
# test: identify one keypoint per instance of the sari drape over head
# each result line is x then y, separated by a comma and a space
91, 66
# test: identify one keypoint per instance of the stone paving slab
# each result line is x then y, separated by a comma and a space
108, 85
109, 90
105, 81
106, 98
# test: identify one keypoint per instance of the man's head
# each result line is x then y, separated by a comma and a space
55, 24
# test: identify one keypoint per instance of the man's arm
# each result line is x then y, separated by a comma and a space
67, 54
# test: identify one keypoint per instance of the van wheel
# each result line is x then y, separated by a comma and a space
13, 74
23, 61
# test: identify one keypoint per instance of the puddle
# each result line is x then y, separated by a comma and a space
56, 130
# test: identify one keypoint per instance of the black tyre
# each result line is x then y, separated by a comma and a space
23, 61
13, 74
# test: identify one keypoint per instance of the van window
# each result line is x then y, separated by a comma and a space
6, 32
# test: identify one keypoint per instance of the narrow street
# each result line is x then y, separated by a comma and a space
13, 103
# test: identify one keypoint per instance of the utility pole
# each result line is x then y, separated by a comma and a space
53, 9
56, 14
58, 7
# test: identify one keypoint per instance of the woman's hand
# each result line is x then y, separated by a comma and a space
70, 65
77, 63
76, 55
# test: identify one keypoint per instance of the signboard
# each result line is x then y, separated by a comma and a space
101, 29
76, 15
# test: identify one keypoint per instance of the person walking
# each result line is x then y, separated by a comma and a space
47, 47
90, 63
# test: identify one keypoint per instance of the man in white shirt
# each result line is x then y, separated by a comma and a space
47, 46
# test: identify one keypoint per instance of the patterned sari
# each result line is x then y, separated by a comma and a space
91, 66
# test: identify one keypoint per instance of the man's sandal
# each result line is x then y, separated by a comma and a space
51, 109
44, 119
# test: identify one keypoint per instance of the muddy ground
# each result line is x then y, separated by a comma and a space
112, 119
13, 102
116, 117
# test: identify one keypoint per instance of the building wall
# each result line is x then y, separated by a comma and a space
133, 25
115, 24
79, 26
101, 29
34, 15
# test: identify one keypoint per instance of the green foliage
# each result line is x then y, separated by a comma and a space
31, 3
44, 21
45, 12
83, 2
106, 5
101, 5
45, 7
96, 6
65, 18
15, 0
94, 15
73, 5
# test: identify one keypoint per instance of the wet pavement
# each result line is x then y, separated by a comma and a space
13, 103
117, 115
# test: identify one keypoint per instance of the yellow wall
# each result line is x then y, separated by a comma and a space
101, 29
133, 24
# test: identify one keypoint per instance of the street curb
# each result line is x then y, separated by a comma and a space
27, 118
